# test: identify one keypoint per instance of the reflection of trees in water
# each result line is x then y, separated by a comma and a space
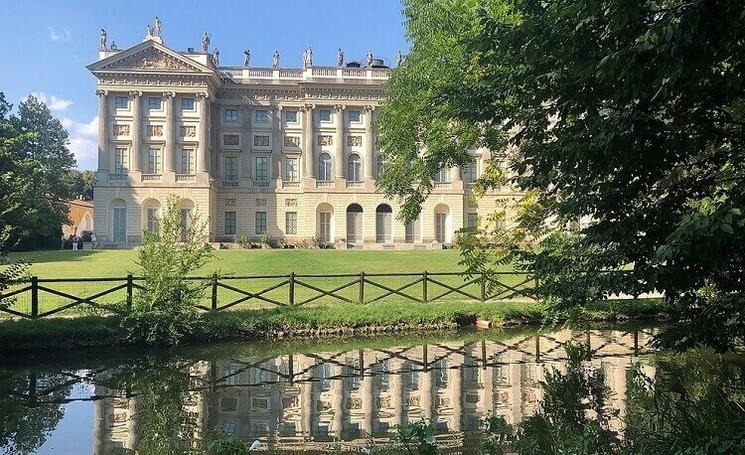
30, 408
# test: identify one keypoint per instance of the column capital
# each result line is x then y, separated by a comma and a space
169, 94
102, 92
307, 107
370, 108
339, 107
202, 95
275, 108
135, 93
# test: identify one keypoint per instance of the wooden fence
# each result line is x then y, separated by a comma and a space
43, 297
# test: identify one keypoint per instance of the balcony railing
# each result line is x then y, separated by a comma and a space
230, 183
185, 178
290, 184
238, 74
118, 177
355, 184
151, 177
261, 183
324, 184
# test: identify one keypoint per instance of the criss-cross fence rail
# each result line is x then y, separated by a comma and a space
42, 297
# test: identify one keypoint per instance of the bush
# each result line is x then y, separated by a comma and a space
243, 241
164, 311
268, 240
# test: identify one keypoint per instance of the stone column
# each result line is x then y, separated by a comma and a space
370, 161
277, 142
339, 143
247, 113
338, 400
136, 164
308, 160
104, 162
397, 392
169, 153
455, 174
455, 391
204, 128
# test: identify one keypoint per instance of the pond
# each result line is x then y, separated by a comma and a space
299, 395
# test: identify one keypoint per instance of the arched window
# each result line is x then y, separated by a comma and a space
383, 223
324, 167
354, 223
354, 168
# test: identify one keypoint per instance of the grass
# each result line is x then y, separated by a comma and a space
89, 331
117, 263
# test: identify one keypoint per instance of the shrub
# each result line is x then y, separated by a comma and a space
243, 241
164, 311
268, 240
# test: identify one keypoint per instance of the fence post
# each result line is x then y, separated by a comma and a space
214, 292
34, 297
424, 286
129, 292
292, 289
483, 286
362, 288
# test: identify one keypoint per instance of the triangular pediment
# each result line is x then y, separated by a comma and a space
149, 56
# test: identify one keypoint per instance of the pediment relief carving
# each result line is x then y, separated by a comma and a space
150, 59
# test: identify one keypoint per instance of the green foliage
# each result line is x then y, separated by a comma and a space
243, 241
82, 182
164, 311
414, 438
627, 115
35, 173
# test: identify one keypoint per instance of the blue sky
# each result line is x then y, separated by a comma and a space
46, 44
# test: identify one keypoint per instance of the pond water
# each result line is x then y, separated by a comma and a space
306, 395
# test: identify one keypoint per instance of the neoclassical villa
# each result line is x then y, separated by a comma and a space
289, 152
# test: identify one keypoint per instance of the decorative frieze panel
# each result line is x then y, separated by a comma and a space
324, 139
260, 202
121, 130
150, 59
188, 131
261, 140
292, 141
231, 139
155, 130
354, 141
290, 202
230, 202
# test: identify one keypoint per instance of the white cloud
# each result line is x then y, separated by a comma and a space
54, 103
83, 141
61, 35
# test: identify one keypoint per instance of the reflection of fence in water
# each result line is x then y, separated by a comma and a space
39, 297
358, 394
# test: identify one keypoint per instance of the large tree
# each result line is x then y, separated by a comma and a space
35, 173
630, 115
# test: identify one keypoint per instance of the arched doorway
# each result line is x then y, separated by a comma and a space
383, 223
354, 223
119, 221
187, 214
413, 231
442, 221
324, 221
151, 215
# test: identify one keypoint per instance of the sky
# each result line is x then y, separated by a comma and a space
45, 45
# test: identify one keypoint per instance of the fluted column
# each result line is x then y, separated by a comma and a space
104, 162
247, 115
370, 161
169, 153
277, 142
339, 142
136, 152
308, 161
204, 128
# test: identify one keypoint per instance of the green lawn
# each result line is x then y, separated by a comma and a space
116, 263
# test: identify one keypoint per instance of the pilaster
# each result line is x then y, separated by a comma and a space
104, 161
169, 152
135, 166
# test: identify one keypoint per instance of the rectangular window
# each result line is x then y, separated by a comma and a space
231, 115
470, 172
153, 161
229, 223
121, 160
152, 220
324, 115
187, 161
121, 102
324, 226
262, 115
291, 170
290, 116
231, 168
260, 222
355, 116
472, 220
187, 104
290, 222
262, 169
153, 102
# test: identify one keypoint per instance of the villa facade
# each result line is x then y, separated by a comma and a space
289, 152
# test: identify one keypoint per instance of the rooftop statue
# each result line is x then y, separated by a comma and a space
275, 59
340, 58
205, 42
399, 58
148, 32
157, 29
216, 57
113, 46
308, 57
369, 58
102, 40
246, 58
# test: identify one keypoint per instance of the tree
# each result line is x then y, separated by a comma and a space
35, 173
630, 115
82, 182
165, 310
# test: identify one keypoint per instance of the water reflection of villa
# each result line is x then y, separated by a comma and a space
315, 401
